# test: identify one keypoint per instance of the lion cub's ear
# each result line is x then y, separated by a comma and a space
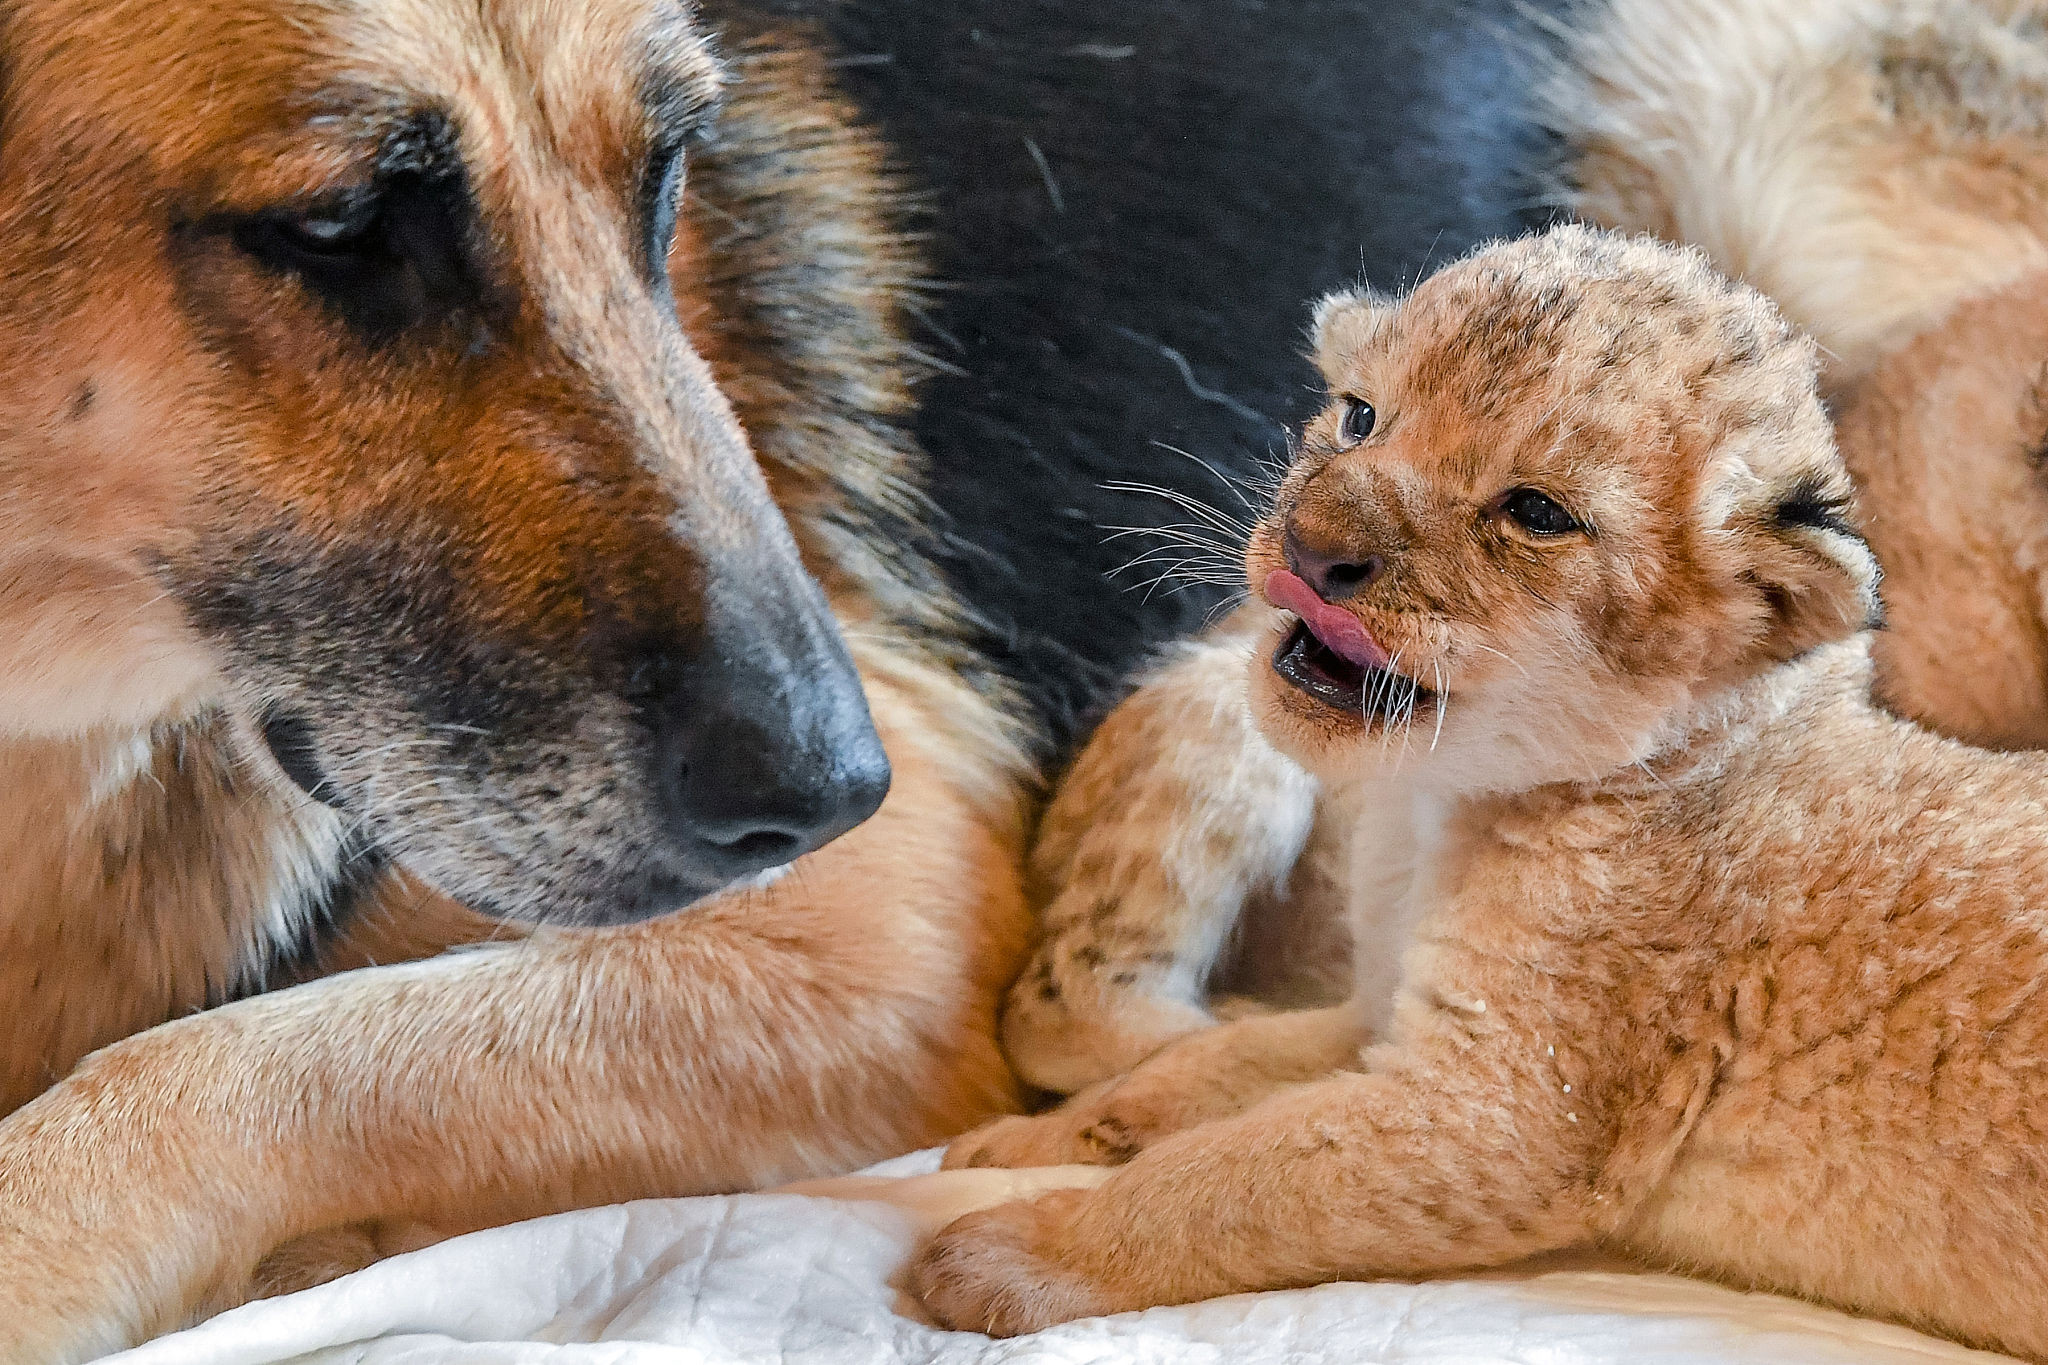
1343, 330
1805, 556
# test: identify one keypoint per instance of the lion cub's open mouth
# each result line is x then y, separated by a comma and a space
1329, 657
1321, 672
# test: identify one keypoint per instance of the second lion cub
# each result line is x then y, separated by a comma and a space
1712, 959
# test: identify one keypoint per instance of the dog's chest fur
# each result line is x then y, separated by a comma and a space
152, 875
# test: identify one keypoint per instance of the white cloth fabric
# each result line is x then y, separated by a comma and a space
787, 1280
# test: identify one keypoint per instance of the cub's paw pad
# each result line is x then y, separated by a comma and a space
987, 1272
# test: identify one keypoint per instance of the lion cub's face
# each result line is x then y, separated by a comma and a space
1569, 487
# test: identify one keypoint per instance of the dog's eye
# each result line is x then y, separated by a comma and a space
384, 258
338, 252
664, 191
329, 235
1537, 514
1357, 422
320, 238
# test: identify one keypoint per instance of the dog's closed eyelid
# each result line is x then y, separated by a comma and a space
399, 255
681, 105
338, 193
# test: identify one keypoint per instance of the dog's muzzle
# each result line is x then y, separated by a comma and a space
763, 748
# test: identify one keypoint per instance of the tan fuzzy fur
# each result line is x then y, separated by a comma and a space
163, 395
408, 1093
1715, 962
1946, 439
1176, 817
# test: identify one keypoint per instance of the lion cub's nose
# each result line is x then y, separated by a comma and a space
1334, 574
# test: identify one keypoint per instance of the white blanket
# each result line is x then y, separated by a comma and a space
797, 1281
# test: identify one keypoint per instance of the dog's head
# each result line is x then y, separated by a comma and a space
1564, 491
348, 392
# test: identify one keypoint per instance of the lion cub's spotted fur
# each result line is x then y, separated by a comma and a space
1714, 960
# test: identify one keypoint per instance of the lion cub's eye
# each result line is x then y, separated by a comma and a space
1537, 514
1357, 422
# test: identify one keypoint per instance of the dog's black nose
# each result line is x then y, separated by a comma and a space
762, 748
756, 780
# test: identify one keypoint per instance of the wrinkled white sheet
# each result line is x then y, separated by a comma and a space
797, 1281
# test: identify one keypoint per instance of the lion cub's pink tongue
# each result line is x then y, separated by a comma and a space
1338, 630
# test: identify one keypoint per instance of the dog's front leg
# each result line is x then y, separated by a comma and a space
842, 1014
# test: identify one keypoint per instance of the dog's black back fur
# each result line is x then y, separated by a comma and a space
1132, 203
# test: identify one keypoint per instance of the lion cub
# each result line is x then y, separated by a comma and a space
1881, 170
1712, 960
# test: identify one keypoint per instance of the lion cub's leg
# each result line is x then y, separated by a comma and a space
1210, 1074
1175, 814
1453, 1157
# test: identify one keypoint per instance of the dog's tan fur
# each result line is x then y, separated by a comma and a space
778, 1033
1716, 961
1866, 163
845, 1012
1946, 440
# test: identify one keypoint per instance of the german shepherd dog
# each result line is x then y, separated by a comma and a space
480, 477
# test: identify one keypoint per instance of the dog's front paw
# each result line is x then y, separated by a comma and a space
996, 1271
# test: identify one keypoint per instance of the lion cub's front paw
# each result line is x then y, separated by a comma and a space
1073, 1135
1103, 1126
1019, 1141
994, 1271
